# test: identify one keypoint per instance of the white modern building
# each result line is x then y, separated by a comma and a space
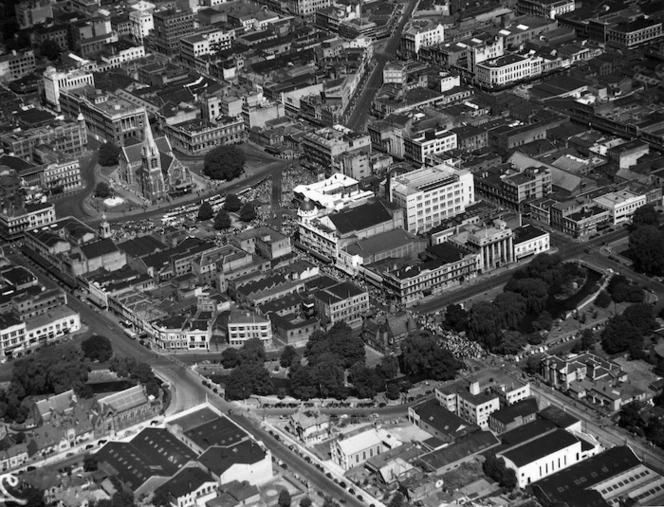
56, 81
621, 205
431, 195
245, 325
44, 329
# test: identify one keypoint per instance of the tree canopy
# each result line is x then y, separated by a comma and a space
97, 348
205, 211
339, 340
222, 220
422, 354
232, 203
103, 190
495, 468
128, 367
50, 49
645, 215
224, 162
108, 154
247, 379
626, 332
248, 212
646, 248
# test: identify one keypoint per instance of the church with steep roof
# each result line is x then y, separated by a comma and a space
149, 167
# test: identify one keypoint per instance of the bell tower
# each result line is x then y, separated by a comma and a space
153, 178
104, 228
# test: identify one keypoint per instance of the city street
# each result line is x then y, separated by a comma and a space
362, 104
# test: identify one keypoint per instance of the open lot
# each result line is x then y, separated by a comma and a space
639, 373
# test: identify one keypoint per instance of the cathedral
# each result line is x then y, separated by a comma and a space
150, 168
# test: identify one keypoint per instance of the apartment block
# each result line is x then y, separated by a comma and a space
245, 325
55, 81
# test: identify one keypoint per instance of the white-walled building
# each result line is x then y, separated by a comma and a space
507, 69
431, 195
621, 205
56, 81
529, 240
429, 142
420, 33
142, 23
551, 452
245, 325
353, 451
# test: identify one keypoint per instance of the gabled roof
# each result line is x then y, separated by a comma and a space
435, 415
539, 448
124, 400
510, 413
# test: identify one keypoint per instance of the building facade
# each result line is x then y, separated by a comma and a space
431, 195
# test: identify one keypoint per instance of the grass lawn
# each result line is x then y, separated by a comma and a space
639, 373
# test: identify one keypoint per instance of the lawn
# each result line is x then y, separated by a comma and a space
639, 373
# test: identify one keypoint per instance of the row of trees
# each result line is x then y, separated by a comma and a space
637, 417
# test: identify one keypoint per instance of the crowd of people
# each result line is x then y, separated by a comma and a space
457, 343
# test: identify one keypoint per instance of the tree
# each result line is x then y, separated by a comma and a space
303, 382
222, 220
421, 354
50, 49
533, 364
329, 502
484, 324
398, 500
645, 215
29, 495
603, 299
103, 190
161, 498
511, 343
248, 212
617, 335
284, 498
230, 358
89, 463
630, 416
543, 322
534, 291
511, 308
224, 162
288, 356
587, 339
329, 376
108, 154
205, 211
97, 348
366, 381
306, 502
496, 469
456, 318
646, 246
232, 203
247, 379
392, 392
253, 351
641, 317
388, 367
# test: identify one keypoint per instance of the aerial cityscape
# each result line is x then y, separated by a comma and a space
326, 253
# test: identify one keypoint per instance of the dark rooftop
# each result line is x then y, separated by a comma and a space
220, 432
523, 408
540, 447
568, 484
361, 217
220, 459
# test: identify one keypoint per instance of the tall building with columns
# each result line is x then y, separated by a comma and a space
493, 243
